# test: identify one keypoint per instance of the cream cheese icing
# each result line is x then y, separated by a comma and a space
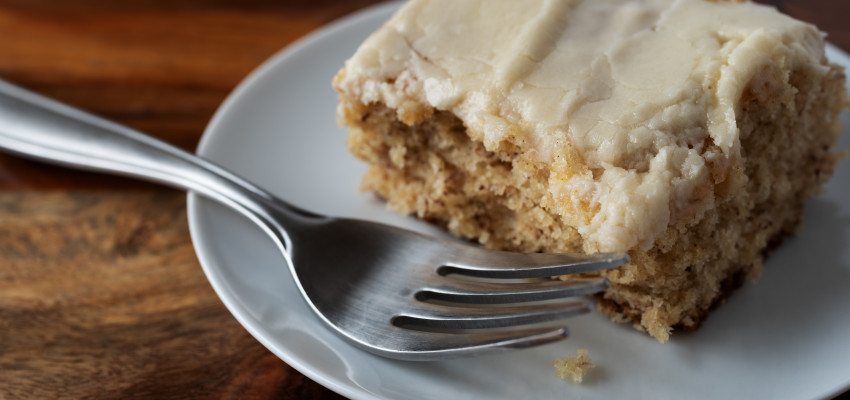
644, 91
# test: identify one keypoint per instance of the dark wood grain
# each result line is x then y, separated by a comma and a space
101, 295
159, 66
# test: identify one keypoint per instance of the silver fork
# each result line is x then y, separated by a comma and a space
389, 291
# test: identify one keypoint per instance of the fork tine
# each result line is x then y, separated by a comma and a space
471, 292
440, 317
427, 346
509, 265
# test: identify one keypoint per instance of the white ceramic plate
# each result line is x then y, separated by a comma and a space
786, 337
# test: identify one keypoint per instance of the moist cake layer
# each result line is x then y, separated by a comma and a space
685, 132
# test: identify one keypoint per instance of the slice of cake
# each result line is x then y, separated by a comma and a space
685, 132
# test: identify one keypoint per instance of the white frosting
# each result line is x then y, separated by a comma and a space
635, 87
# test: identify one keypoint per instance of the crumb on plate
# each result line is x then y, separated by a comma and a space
574, 367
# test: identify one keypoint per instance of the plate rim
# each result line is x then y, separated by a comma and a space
192, 199
347, 389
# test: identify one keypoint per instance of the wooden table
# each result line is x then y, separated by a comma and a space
100, 291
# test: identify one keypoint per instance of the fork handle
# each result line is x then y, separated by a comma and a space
37, 127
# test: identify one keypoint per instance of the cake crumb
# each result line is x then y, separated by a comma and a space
574, 367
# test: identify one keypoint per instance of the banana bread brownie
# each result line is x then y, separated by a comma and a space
687, 133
